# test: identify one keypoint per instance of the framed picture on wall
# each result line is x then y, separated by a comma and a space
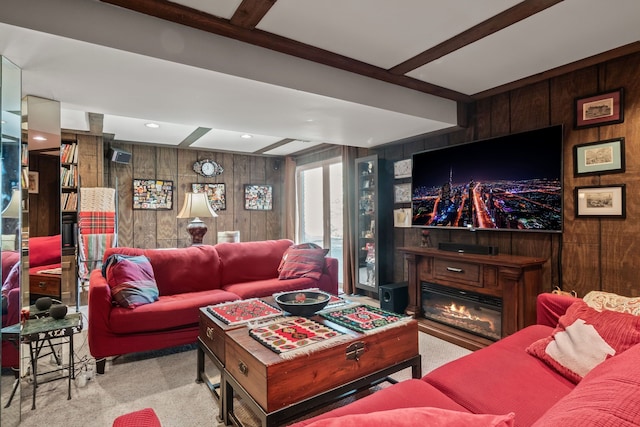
402, 169
600, 109
597, 158
216, 193
600, 201
402, 193
258, 197
34, 182
152, 194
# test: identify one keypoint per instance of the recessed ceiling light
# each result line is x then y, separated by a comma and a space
39, 138
152, 125
246, 136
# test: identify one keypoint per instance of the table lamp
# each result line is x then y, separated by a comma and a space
196, 206
14, 208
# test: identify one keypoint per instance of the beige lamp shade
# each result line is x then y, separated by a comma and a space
196, 205
14, 208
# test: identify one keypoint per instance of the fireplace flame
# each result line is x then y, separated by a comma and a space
461, 312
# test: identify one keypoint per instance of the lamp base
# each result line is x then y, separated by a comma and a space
197, 229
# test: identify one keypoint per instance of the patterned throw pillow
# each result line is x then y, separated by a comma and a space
608, 301
299, 246
298, 263
584, 338
132, 281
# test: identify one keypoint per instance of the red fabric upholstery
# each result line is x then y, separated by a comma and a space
142, 418
171, 311
519, 382
585, 338
251, 261
503, 378
406, 394
9, 259
45, 250
549, 308
608, 396
187, 279
174, 269
411, 417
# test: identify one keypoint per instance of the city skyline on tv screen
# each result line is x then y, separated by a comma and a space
513, 182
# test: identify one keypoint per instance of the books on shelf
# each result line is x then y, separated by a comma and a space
69, 201
69, 153
68, 175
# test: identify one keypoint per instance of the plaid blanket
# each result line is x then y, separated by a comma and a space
92, 248
96, 222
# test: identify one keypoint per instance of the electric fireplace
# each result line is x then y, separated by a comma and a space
472, 312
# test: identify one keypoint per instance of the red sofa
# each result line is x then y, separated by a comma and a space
502, 379
187, 279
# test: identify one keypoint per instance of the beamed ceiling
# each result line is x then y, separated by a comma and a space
296, 74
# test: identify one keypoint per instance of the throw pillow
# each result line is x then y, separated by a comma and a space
411, 417
132, 282
298, 263
299, 246
608, 301
584, 338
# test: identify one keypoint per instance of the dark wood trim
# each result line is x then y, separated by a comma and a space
251, 12
619, 52
202, 21
498, 22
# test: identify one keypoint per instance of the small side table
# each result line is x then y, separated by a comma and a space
37, 332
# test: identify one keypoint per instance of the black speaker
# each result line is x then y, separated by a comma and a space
467, 248
119, 156
394, 297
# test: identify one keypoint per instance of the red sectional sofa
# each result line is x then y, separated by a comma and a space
187, 279
504, 378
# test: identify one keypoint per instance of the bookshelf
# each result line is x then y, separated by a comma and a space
69, 194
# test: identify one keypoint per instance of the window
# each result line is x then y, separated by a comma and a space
319, 207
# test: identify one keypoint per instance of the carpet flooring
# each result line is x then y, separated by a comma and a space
164, 381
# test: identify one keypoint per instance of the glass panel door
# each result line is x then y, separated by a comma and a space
319, 218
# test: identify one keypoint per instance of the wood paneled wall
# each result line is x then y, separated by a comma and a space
161, 229
591, 253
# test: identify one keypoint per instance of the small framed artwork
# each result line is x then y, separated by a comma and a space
402, 169
600, 201
216, 193
402, 218
600, 109
152, 194
258, 197
402, 193
600, 157
34, 182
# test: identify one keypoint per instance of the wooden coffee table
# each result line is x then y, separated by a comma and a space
278, 390
211, 342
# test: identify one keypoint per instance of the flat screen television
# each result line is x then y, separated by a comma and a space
511, 183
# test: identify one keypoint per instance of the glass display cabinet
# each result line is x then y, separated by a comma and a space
373, 222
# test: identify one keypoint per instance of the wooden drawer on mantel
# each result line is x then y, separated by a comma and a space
458, 271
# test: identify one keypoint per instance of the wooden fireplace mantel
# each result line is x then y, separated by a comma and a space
515, 279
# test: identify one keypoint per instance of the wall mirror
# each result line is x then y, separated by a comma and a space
41, 128
11, 207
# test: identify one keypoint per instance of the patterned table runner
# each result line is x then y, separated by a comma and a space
248, 310
291, 336
365, 318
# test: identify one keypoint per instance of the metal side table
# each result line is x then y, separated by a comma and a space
40, 331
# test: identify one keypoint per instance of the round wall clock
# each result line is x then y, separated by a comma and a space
207, 168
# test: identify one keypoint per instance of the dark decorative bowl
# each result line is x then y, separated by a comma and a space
58, 311
43, 303
303, 303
